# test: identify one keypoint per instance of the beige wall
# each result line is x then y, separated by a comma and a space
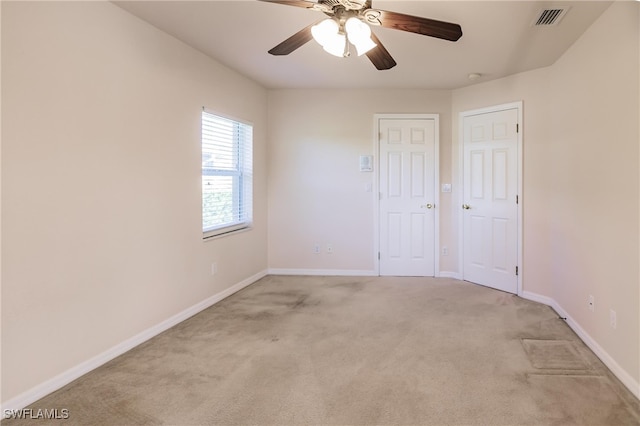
581, 177
316, 191
596, 140
101, 183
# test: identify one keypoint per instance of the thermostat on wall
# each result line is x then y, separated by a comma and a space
366, 163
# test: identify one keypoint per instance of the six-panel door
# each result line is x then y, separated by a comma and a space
489, 209
407, 196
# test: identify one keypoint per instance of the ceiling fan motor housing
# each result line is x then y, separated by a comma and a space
347, 4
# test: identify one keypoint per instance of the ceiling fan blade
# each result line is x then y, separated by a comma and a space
379, 56
298, 3
418, 25
292, 43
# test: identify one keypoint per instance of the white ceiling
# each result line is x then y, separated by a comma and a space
498, 40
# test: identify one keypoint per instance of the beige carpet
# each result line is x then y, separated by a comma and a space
347, 351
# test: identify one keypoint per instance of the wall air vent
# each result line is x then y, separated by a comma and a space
549, 17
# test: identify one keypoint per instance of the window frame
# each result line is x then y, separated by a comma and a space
242, 182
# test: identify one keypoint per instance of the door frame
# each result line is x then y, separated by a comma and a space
460, 192
376, 186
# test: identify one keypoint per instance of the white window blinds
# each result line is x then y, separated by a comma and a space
227, 178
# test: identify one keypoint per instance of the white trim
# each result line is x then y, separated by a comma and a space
227, 234
535, 297
436, 196
611, 363
436, 200
227, 116
520, 106
345, 273
51, 385
460, 192
449, 274
376, 195
325, 272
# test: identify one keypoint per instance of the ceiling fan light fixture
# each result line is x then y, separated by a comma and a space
336, 45
337, 33
327, 34
324, 29
359, 35
363, 46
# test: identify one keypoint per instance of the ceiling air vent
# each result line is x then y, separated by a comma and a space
549, 17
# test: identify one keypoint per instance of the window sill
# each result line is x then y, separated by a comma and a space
228, 233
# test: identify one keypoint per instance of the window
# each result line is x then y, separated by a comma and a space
227, 176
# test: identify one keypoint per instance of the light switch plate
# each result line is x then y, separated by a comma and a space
446, 187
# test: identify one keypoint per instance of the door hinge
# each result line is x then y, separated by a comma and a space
378, 255
517, 127
517, 200
516, 270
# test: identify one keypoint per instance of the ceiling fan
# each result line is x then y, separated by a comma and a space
347, 24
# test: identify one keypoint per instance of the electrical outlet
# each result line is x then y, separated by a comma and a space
591, 303
613, 321
316, 248
445, 251
214, 268
329, 248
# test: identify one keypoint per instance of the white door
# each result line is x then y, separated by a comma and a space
490, 204
407, 208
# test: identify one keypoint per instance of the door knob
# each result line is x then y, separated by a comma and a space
428, 206
466, 206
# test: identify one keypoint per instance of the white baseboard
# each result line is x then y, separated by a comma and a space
535, 297
51, 385
325, 272
615, 368
448, 274
345, 272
